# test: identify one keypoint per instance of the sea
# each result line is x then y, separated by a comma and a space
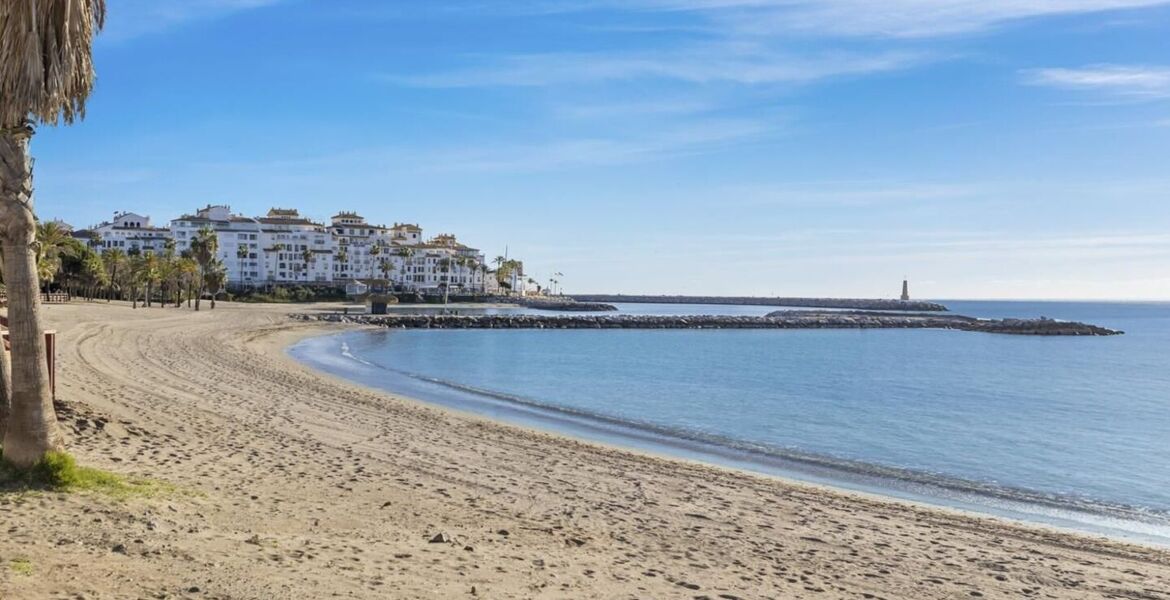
1070, 432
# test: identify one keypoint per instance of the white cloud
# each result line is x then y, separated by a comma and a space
132, 18
1124, 80
566, 152
851, 194
636, 108
686, 140
910, 18
893, 18
716, 63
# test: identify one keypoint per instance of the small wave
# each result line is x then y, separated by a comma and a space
768, 458
926, 483
346, 352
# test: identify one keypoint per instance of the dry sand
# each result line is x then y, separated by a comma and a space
298, 485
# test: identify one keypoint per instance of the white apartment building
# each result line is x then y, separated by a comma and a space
283, 247
129, 232
239, 241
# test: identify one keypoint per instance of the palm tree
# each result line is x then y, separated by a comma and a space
307, 257
215, 277
386, 266
188, 271
151, 274
115, 261
136, 266
461, 263
406, 253
53, 243
46, 74
167, 272
204, 248
93, 273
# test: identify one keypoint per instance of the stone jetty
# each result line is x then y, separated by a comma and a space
842, 303
561, 304
777, 320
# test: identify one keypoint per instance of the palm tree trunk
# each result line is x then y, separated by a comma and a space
32, 425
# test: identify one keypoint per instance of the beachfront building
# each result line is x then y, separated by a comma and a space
239, 241
362, 250
459, 266
296, 249
127, 231
284, 247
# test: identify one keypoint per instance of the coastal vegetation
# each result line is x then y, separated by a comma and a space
59, 471
46, 76
67, 265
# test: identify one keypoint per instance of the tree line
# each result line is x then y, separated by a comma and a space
140, 276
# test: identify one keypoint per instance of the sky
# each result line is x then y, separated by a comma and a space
980, 148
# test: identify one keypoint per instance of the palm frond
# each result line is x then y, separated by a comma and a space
46, 61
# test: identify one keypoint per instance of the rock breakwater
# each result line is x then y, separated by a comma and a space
778, 320
565, 304
842, 303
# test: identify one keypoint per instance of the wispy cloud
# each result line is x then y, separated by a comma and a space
687, 140
635, 108
553, 154
716, 63
132, 18
909, 18
1133, 81
852, 194
887, 18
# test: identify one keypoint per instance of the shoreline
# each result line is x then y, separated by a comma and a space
1023, 507
310, 486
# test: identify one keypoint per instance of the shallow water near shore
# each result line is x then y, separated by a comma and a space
1073, 432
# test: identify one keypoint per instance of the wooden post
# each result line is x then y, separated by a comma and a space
51, 357
50, 353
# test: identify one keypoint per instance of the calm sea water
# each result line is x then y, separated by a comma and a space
1066, 431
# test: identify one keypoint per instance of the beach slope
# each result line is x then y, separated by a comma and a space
292, 484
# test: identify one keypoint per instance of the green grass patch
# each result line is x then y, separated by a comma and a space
59, 471
21, 566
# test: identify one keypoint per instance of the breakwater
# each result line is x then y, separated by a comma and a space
563, 304
777, 320
837, 303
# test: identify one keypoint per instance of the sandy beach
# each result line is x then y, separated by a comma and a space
293, 484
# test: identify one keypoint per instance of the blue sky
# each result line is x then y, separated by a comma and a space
983, 148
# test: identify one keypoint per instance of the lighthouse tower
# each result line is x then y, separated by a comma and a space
905, 290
